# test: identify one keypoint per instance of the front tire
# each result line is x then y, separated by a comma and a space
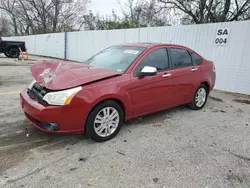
14, 53
104, 121
200, 98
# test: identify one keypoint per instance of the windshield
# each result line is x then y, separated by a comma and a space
117, 58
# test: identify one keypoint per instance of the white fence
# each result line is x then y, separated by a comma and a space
46, 45
232, 60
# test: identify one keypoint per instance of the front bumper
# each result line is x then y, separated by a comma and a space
60, 119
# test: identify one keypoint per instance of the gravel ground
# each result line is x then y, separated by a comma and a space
176, 148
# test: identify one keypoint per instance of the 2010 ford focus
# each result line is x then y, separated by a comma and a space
117, 84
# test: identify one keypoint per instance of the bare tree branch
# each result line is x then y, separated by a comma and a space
203, 11
243, 9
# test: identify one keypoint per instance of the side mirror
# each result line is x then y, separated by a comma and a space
148, 71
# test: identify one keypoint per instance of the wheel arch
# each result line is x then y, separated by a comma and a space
206, 84
10, 47
118, 101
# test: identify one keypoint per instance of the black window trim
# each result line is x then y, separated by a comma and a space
169, 60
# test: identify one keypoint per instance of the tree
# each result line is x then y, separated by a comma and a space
147, 12
96, 22
8, 6
44, 16
4, 26
91, 21
67, 14
152, 14
206, 11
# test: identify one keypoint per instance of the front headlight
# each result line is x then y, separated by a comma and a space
31, 84
61, 97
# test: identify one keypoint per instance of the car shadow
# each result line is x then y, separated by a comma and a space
15, 147
157, 116
4, 57
29, 137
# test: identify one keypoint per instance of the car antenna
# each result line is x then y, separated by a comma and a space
172, 39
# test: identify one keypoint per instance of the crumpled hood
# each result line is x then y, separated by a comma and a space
64, 75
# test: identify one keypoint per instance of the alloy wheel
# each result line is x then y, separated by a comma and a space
200, 97
106, 121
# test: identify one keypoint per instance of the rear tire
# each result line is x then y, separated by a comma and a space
13, 53
200, 98
7, 54
104, 121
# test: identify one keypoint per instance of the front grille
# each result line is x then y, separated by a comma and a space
37, 93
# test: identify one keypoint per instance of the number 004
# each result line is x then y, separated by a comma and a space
220, 41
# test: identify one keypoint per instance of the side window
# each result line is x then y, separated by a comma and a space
157, 58
196, 59
180, 57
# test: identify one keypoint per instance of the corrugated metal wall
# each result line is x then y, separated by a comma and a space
232, 61
45, 45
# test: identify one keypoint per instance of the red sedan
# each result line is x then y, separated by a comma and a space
117, 84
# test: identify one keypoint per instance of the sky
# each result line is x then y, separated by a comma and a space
104, 7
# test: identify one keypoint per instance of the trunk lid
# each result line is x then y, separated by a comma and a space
64, 75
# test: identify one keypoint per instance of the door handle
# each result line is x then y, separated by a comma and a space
194, 69
166, 75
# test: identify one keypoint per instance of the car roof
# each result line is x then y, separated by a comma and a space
150, 45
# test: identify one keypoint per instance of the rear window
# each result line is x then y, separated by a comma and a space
196, 59
180, 57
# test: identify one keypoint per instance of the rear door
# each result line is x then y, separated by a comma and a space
186, 74
152, 93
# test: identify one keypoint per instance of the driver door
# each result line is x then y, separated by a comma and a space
152, 93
